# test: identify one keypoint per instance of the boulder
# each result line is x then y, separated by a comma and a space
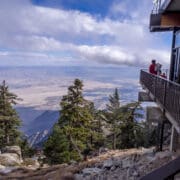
12, 149
164, 154
103, 150
78, 177
2, 167
148, 151
117, 162
9, 159
126, 163
108, 164
31, 163
132, 172
113, 168
7, 170
91, 171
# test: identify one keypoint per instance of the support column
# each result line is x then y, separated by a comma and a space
171, 73
162, 136
174, 140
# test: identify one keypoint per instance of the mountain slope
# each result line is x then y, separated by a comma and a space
41, 127
27, 115
43, 122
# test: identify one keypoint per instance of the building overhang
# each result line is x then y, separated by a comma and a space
167, 17
171, 5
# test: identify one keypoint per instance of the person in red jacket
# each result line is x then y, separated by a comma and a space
152, 67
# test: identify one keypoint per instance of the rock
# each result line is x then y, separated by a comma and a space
126, 163
177, 176
135, 173
68, 176
78, 177
6, 170
91, 171
150, 151
116, 176
98, 165
72, 162
117, 162
14, 150
151, 159
108, 164
31, 163
113, 168
2, 167
132, 173
164, 154
103, 150
136, 157
9, 159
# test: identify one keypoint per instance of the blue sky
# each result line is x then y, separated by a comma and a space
79, 32
100, 7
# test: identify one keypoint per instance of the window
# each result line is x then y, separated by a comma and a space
177, 40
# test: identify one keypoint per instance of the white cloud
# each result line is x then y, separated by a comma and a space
47, 33
118, 55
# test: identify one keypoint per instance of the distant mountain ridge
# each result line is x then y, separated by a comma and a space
38, 138
45, 121
27, 115
41, 127
37, 124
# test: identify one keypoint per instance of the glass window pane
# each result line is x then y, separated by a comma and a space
177, 44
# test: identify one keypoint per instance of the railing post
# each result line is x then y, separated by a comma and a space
161, 135
164, 96
174, 139
155, 82
171, 73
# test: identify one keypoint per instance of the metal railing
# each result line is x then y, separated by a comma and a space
165, 92
160, 5
166, 172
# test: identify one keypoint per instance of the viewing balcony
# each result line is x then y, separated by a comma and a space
165, 93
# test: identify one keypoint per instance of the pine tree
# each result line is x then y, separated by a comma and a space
56, 148
76, 120
113, 115
74, 127
125, 131
9, 120
26, 150
98, 137
131, 134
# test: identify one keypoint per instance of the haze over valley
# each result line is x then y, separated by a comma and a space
41, 88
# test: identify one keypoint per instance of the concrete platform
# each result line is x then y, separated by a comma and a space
154, 114
144, 97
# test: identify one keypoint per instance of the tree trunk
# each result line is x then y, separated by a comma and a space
6, 134
114, 140
76, 147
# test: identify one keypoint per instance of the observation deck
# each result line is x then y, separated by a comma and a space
165, 93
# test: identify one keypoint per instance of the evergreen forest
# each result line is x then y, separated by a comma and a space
82, 129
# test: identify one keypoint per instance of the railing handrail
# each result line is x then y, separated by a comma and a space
165, 172
172, 82
166, 93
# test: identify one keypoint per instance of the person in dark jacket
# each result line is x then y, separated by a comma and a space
152, 67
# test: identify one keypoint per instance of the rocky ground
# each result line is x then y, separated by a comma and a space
109, 165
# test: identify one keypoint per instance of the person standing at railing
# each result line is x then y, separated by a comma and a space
163, 75
158, 69
152, 67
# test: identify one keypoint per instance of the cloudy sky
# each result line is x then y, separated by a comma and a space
79, 32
